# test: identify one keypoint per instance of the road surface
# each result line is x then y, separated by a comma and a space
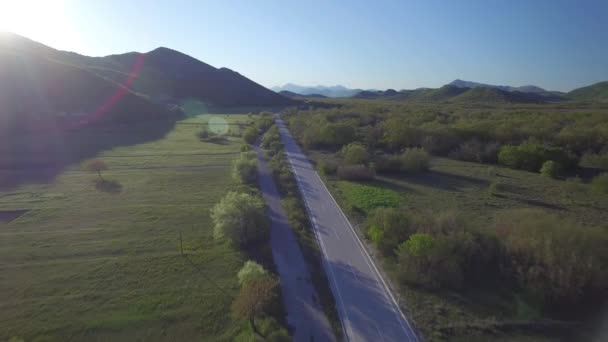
304, 313
367, 309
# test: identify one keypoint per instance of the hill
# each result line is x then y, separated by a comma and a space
162, 75
494, 95
37, 93
299, 96
332, 91
523, 89
595, 92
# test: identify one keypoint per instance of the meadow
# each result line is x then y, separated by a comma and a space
80, 263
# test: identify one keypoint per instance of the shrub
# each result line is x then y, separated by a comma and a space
476, 151
271, 136
387, 228
530, 157
328, 167
599, 184
415, 160
355, 154
554, 259
429, 261
251, 270
245, 168
355, 172
250, 135
240, 218
257, 298
550, 169
599, 160
388, 163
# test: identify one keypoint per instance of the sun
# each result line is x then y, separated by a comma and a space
42, 20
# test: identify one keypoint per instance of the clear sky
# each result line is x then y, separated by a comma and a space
401, 44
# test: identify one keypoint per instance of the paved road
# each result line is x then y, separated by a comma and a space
366, 307
304, 313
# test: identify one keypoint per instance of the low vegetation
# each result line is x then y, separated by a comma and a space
80, 264
472, 248
240, 218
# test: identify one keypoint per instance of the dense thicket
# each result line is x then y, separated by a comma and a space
526, 136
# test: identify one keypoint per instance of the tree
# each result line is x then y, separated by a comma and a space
240, 218
244, 169
599, 184
257, 298
415, 160
251, 270
96, 165
550, 169
354, 154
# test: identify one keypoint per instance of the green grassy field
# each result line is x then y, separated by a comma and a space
477, 314
83, 264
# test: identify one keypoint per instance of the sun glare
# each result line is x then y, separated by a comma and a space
43, 21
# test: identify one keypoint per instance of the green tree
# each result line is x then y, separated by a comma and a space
550, 169
387, 228
415, 160
257, 299
245, 168
241, 218
354, 154
599, 184
251, 270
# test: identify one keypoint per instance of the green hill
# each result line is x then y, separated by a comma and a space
595, 92
493, 95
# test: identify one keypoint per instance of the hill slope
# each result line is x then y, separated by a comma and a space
494, 95
594, 92
161, 74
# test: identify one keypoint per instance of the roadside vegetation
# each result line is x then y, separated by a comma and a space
513, 249
299, 221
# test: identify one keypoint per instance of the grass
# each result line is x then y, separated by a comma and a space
478, 314
85, 264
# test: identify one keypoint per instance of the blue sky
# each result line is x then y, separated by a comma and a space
399, 44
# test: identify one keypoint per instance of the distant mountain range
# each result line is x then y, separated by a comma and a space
38, 80
333, 91
460, 91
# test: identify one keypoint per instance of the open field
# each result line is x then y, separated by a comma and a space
83, 264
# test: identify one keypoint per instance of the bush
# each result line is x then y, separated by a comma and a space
250, 135
258, 298
441, 251
355, 154
599, 184
476, 151
415, 160
328, 167
555, 260
387, 163
429, 261
355, 172
599, 161
251, 270
387, 228
550, 169
245, 168
240, 218
530, 157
